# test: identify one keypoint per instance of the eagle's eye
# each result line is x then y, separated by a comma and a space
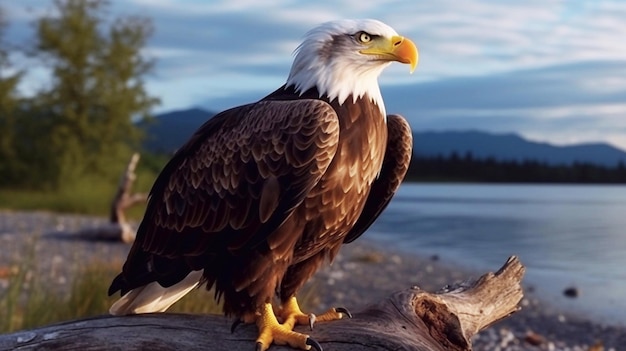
363, 37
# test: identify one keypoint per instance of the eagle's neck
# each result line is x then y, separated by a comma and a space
337, 79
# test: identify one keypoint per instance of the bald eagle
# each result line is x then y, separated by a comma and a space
263, 194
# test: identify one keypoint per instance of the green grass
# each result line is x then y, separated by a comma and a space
89, 195
88, 200
28, 303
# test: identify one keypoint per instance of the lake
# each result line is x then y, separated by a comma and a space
566, 235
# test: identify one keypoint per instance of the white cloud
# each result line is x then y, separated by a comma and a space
599, 111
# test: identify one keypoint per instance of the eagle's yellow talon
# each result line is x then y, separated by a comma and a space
332, 315
292, 315
270, 331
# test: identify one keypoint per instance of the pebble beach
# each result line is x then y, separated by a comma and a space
364, 272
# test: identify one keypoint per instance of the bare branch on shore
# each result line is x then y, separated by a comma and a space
118, 228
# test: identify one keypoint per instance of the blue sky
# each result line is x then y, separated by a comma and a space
552, 71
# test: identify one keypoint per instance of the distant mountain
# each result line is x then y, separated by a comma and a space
513, 147
170, 130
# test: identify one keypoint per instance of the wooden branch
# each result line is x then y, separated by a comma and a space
407, 320
118, 228
123, 199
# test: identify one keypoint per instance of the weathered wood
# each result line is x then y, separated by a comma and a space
407, 320
123, 198
118, 228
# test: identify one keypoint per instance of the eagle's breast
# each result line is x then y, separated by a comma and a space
335, 203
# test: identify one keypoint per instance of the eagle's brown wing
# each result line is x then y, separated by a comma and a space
232, 184
395, 166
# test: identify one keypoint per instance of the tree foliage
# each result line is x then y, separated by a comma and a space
467, 168
82, 123
8, 105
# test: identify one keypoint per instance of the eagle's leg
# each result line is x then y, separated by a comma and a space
292, 315
270, 331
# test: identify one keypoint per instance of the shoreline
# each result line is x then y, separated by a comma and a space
537, 321
363, 272
549, 293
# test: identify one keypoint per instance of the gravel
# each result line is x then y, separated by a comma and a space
362, 273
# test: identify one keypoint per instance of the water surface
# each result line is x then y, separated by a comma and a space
566, 235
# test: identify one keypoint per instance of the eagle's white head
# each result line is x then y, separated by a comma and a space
345, 57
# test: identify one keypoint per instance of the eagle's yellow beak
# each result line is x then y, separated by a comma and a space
396, 48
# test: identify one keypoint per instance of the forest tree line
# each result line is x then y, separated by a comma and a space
467, 168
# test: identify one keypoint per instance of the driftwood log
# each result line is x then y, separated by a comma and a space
118, 227
407, 320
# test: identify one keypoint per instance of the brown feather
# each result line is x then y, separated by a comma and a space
395, 165
270, 195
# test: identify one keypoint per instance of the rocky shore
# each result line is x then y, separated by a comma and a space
363, 272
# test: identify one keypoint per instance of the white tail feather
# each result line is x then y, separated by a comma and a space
153, 297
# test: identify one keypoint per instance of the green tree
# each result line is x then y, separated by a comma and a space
97, 90
9, 79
